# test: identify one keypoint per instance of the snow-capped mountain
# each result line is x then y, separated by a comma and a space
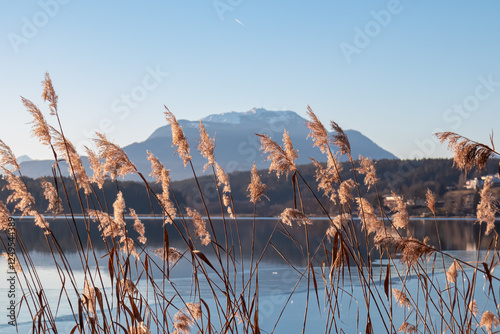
237, 146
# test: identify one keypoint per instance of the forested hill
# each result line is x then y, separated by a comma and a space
408, 178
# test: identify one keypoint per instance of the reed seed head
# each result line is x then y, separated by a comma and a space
178, 138
288, 215
256, 188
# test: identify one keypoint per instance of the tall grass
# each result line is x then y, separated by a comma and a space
123, 293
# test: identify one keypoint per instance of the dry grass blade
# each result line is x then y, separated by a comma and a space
466, 153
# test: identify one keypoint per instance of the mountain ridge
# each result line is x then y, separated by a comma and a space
237, 146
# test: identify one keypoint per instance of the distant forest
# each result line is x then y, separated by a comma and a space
407, 178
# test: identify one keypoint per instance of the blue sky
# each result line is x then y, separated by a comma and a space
395, 70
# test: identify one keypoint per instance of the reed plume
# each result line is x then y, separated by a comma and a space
289, 215
97, 168
200, 226
40, 129
206, 146
369, 219
13, 262
340, 139
466, 153
256, 188
280, 158
186, 318
367, 167
162, 176
89, 297
7, 158
116, 161
430, 201
138, 227
326, 178
317, 131
223, 179
401, 218
406, 327
401, 298
345, 191
140, 328
178, 138
473, 307
50, 194
487, 208
49, 94
338, 222
66, 149
25, 201
172, 255
4, 217
488, 320
452, 272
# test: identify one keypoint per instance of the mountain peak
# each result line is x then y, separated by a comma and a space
254, 114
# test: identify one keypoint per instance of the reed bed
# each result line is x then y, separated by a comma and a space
403, 284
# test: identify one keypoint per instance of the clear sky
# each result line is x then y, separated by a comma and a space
395, 70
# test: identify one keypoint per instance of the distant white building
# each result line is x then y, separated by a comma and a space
493, 178
474, 184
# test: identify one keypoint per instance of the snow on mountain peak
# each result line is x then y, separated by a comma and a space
255, 114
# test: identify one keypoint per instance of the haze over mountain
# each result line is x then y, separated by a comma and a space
237, 146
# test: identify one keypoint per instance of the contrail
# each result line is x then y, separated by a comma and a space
239, 22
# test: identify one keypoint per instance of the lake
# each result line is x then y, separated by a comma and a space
284, 257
